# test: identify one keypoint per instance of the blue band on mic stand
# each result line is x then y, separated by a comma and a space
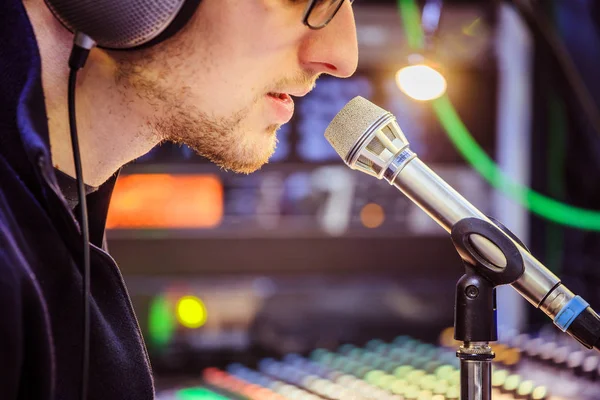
569, 312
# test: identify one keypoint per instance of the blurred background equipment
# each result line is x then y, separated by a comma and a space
227, 269
407, 368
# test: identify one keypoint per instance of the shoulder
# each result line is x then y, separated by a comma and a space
12, 265
10, 251
12, 300
12, 235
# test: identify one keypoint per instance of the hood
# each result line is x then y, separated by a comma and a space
24, 139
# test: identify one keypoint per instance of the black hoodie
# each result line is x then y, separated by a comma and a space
40, 251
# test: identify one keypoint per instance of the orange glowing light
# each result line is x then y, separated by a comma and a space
166, 201
372, 215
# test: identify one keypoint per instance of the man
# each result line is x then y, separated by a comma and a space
221, 85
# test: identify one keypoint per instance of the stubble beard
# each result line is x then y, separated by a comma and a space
221, 140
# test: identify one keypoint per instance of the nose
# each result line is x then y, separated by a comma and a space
333, 49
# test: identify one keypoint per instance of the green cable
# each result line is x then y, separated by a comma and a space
411, 21
538, 203
464, 142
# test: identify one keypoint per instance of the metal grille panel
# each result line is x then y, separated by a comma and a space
117, 24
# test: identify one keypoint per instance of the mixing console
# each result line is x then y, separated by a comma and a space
544, 367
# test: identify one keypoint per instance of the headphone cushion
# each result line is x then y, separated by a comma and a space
124, 24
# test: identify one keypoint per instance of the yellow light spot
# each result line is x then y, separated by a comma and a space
372, 215
447, 338
191, 312
472, 28
421, 82
512, 357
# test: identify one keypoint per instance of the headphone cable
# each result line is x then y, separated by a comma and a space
77, 59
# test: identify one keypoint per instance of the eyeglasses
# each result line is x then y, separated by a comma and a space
320, 12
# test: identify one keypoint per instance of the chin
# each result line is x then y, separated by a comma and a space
253, 156
245, 155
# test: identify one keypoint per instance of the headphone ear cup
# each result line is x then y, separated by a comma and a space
124, 24
181, 19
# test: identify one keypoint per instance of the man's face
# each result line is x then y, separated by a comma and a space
222, 86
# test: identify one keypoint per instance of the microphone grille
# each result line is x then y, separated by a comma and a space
351, 123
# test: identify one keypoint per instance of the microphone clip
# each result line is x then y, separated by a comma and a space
475, 306
475, 311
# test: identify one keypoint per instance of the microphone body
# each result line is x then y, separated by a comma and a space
369, 139
446, 206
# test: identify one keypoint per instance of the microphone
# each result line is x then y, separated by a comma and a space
369, 139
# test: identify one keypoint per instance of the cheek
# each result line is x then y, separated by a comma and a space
215, 85
256, 37
222, 84
240, 51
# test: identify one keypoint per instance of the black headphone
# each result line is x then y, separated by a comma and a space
124, 24
118, 25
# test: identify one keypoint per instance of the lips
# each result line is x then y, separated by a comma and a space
282, 106
280, 96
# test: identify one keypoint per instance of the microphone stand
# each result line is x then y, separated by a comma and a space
475, 304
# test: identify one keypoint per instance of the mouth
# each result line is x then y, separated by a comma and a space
283, 106
280, 96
